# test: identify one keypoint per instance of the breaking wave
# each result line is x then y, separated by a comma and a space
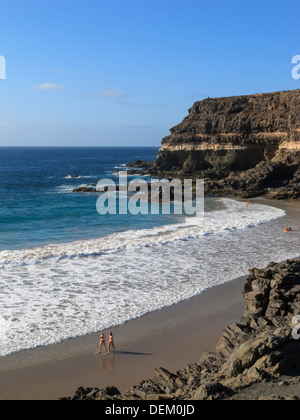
55, 292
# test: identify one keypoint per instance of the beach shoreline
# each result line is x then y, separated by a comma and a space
188, 328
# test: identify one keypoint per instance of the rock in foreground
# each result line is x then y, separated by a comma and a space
257, 358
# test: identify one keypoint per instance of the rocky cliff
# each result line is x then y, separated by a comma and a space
242, 146
257, 358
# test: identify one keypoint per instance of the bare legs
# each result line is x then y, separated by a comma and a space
102, 344
111, 346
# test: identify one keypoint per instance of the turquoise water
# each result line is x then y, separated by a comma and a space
66, 271
36, 203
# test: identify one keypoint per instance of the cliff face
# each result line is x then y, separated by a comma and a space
235, 133
226, 136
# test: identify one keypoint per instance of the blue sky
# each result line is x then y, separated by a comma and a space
123, 72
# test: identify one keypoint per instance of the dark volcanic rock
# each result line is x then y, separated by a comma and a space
84, 190
94, 394
257, 356
243, 146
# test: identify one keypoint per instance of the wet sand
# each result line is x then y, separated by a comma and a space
171, 338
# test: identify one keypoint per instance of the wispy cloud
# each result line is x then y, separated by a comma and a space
115, 94
49, 86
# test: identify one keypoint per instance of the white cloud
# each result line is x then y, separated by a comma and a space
112, 94
49, 86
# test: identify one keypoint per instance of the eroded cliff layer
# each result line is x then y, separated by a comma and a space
235, 133
223, 138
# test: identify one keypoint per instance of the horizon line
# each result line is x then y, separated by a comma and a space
82, 147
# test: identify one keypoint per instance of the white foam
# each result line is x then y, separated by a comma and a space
234, 217
121, 166
55, 292
68, 189
80, 176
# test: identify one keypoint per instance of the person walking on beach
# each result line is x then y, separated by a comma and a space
102, 343
111, 343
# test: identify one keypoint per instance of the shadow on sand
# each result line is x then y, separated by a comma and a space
132, 353
110, 358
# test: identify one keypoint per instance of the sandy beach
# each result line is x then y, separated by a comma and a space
151, 197
171, 338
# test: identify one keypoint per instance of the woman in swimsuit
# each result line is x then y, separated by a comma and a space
111, 343
102, 342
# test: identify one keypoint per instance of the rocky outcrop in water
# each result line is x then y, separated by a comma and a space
243, 146
257, 358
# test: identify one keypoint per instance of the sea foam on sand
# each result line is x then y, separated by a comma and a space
55, 292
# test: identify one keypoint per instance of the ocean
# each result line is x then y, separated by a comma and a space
66, 271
